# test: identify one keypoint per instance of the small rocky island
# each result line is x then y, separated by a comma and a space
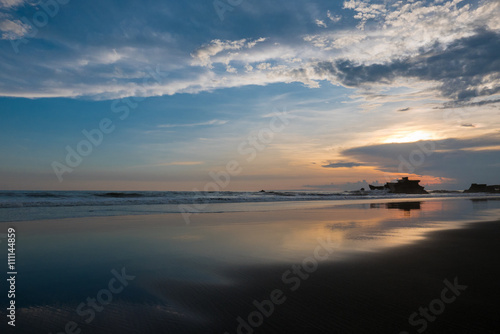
402, 186
483, 188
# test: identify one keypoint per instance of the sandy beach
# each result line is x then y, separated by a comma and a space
349, 269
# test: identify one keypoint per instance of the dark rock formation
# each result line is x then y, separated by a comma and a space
403, 186
483, 188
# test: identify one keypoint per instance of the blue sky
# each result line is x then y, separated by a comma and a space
365, 90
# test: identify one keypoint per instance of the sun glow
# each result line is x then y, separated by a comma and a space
409, 137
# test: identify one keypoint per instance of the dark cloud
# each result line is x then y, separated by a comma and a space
467, 104
468, 125
462, 68
404, 109
342, 164
468, 160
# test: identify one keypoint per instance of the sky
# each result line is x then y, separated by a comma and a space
248, 95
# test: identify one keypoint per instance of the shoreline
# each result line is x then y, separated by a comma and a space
106, 211
35, 213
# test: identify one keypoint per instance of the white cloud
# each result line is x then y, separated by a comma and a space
204, 54
12, 29
320, 23
264, 66
11, 3
333, 18
231, 69
338, 40
407, 30
253, 43
365, 10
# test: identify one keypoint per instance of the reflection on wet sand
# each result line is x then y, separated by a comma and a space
191, 278
405, 206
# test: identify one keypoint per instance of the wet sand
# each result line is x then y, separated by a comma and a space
204, 279
377, 293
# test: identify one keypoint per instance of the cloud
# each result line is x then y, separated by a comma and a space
466, 160
320, 23
12, 3
212, 122
204, 54
445, 49
464, 104
342, 164
333, 18
365, 10
404, 109
466, 69
12, 29
409, 29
